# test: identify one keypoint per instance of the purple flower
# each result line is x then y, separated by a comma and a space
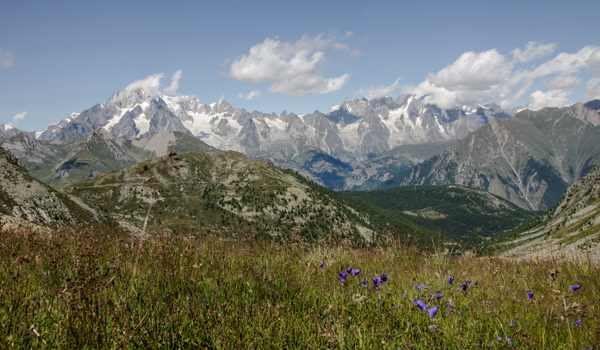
499, 338
420, 287
575, 287
432, 326
343, 276
421, 305
376, 282
509, 340
449, 306
384, 278
355, 272
512, 324
469, 282
578, 323
349, 270
463, 286
438, 296
529, 295
379, 296
364, 282
322, 264
404, 296
450, 280
432, 311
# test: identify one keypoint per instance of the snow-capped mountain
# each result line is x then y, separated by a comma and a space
354, 131
7, 130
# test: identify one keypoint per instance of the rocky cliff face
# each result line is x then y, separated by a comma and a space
26, 198
570, 229
530, 159
58, 163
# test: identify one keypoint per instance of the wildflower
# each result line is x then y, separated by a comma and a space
512, 324
578, 323
529, 295
438, 296
420, 287
421, 305
383, 277
379, 296
463, 286
355, 272
449, 306
343, 276
499, 338
432, 326
364, 282
376, 282
575, 287
509, 341
469, 282
349, 270
432, 311
450, 280
322, 264
404, 296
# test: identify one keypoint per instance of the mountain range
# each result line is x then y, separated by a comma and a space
530, 159
326, 147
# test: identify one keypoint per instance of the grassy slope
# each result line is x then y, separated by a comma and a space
90, 289
460, 213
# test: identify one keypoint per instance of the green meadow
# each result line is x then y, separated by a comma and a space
93, 288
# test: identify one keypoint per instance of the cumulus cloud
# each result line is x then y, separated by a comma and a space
7, 58
524, 77
379, 91
18, 116
549, 98
291, 68
252, 94
151, 85
172, 89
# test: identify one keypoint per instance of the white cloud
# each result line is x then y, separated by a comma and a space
550, 98
18, 116
7, 58
473, 78
151, 84
379, 91
172, 89
593, 88
563, 82
532, 51
291, 68
252, 94
481, 77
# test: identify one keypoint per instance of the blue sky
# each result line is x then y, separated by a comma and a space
59, 57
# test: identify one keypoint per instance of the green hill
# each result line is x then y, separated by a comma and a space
231, 194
